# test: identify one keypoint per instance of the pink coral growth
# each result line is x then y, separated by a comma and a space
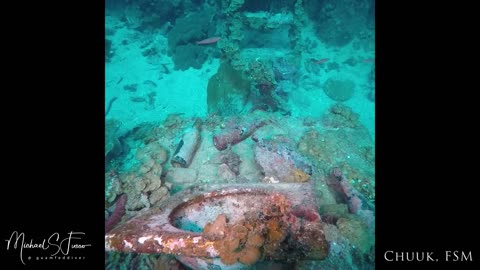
117, 214
355, 205
336, 172
344, 191
306, 213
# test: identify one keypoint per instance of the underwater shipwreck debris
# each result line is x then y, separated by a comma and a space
345, 193
187, 147
117, 214
235, 135
280, 162
256, 222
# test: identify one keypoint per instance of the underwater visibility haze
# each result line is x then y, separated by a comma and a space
240, 134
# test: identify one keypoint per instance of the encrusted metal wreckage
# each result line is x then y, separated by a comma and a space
236, 223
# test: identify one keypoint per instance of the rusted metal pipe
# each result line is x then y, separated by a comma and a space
235, 135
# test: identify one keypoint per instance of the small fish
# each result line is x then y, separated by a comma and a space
150, 83
110, 105
320, 61
208, 40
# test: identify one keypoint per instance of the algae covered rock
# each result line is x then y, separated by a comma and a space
112, 142
338, 22
280, 162
189, 55
341, 116
356, 232
232, 5
339, 90
113, 188
351, 150
185, 33
334, 147
227, 91
191, 28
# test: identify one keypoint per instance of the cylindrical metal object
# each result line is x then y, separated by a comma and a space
235, 135
186, 148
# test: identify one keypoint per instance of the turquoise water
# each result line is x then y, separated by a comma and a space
179, 73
